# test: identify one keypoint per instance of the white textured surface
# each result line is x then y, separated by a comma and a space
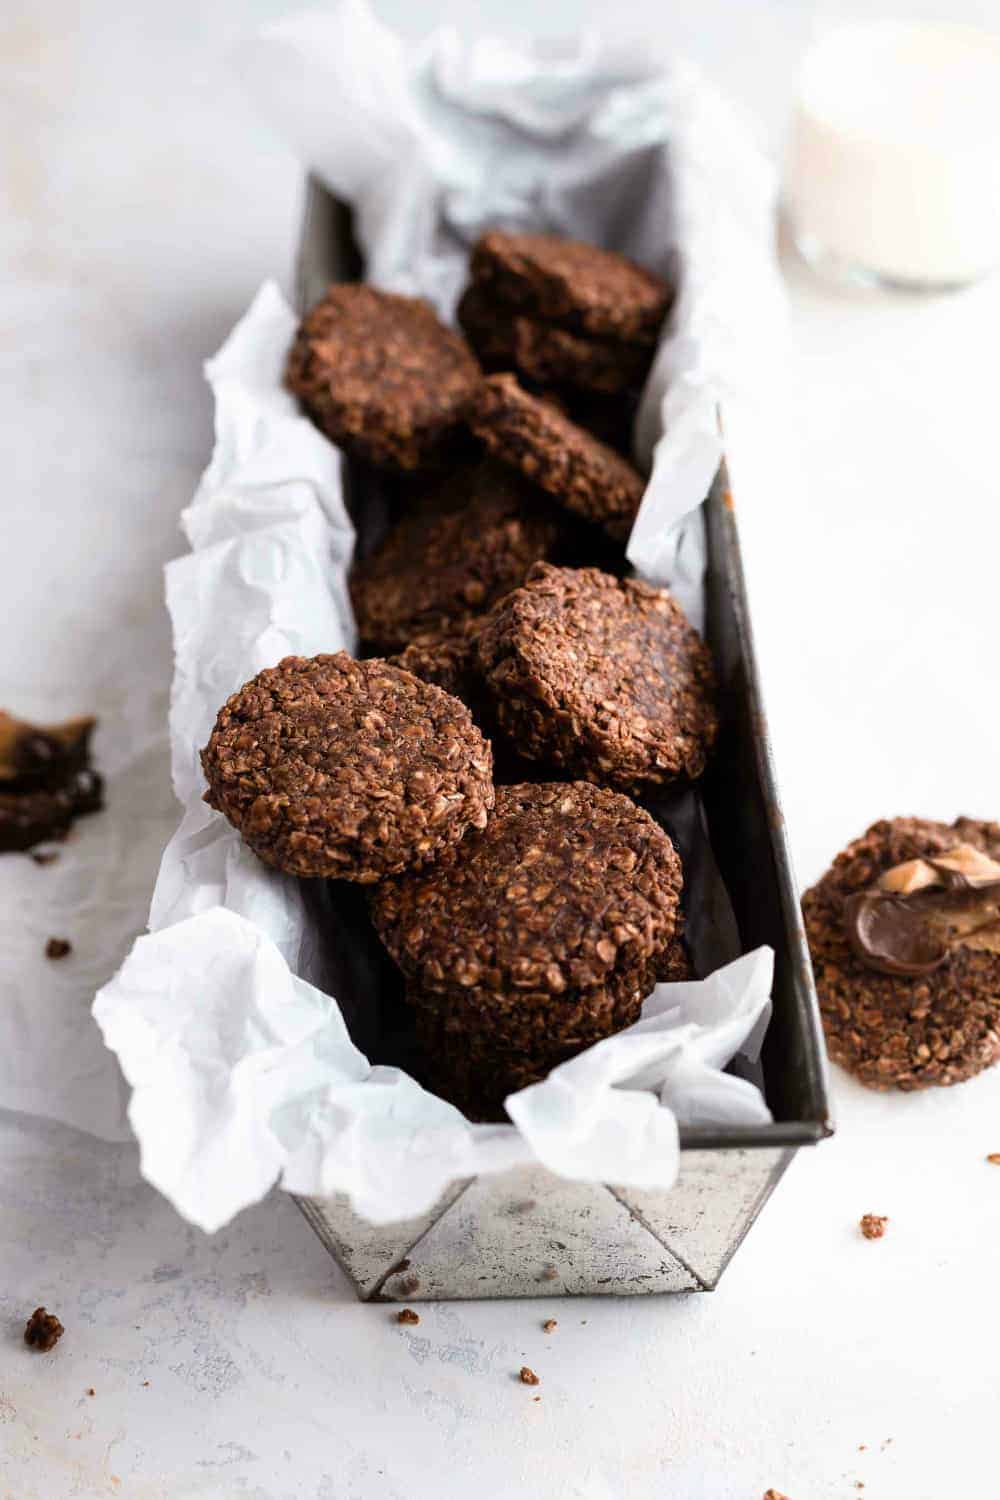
144, 205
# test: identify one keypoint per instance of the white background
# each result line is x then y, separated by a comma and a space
143, 203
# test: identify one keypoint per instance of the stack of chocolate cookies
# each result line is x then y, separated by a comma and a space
539, 935
571, 320
477, 770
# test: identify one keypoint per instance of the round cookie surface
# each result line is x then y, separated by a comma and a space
567, 883
350, 770
565, 281
905, 1031
382, 376
601, 675
569, 463
548, 355
471, 542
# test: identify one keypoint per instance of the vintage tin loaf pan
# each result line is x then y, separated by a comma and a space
527, 1232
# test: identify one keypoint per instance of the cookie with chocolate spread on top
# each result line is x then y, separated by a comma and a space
578, 286
448, 658
345, 769
383, 377
904, 931
602, 676
573, 466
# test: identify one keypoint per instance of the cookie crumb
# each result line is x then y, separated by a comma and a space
873, 1225
145, 1382
43, 1330
528, 1377
994, 1158
859, 1484
774, 1495
549, 1324
549, 1273
91, 1391
862, 1447
536, 1398
45, 856
407, 1315
58, 947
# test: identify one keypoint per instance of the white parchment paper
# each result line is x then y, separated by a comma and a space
242, 1070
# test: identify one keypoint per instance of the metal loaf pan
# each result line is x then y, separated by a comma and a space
526, 1232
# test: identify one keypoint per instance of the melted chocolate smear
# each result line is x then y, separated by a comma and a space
889, 935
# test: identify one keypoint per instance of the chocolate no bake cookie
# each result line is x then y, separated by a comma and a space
541, 937
468, 544
46, 780
904, 931
566, 883
447, 658
347, 769
563, 281
382, 376
569, 463
602, 676
548, 355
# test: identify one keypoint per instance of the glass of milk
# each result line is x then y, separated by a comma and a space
893, 170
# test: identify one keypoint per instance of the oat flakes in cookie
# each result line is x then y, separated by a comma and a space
383, 377
542, 936
579, 286
347, 769
479, 1050
573, 466
566, 884
600, 675
473, 539
904, 931
447, 658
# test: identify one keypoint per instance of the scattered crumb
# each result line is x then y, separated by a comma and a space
549, 1324
409, 1285
862, 1447
145, 1382
91, 1391
528, 1377
58, 947
994, 1157
859, 1484
45, 856
774, 1495
536, 1398
873, 1225
43, 1330
549, 1273
407, 1315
